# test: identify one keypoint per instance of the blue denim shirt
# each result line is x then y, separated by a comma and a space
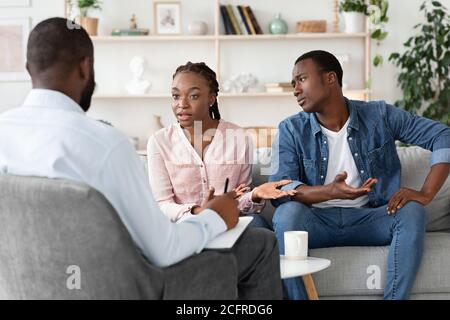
300, 151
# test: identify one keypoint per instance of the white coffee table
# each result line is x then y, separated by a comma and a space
303, 268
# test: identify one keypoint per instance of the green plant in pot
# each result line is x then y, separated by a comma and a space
84, 6
425, 66
353, 12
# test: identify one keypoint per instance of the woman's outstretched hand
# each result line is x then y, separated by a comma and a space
270, 191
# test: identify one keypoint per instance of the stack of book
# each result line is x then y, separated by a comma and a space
279, 87
239, 20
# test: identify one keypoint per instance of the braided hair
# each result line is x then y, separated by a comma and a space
209, 75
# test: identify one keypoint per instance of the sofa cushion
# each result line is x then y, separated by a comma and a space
415, 168
353, 267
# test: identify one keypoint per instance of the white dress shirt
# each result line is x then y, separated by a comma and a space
50, 136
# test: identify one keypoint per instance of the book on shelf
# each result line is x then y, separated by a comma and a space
233, 19
226, 20
240, 21
245, 20
253, 20
248, 20
130, 32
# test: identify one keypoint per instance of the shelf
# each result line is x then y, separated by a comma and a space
221, 95
151, 38
291, 36
282, 94
129, 96
294, 36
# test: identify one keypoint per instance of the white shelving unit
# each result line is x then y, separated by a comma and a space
220, 40
222, 95
268, 57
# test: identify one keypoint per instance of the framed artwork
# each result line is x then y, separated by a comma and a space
15, 3
13, 46
167, 17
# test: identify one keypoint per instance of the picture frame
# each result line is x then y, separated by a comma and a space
13, 45
167, 17
15, 3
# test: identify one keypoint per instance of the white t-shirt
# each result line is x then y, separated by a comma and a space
340, 159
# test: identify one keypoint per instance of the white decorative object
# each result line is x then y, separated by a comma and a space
354, 22
198, 28
243, 82
138, 85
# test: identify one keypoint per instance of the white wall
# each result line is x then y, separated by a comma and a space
13, 93
268, 61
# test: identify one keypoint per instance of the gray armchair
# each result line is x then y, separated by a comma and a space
49, 225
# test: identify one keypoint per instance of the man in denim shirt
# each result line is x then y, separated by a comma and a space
342, 158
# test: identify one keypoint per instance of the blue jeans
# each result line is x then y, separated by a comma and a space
336, 227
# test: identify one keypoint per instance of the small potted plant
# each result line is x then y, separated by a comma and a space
354, 12
84, 6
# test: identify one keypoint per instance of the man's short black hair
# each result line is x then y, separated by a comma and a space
325, 60
57, 42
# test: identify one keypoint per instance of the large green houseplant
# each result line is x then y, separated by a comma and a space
424, 67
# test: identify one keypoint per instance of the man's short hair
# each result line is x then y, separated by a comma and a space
57, 41
325, 60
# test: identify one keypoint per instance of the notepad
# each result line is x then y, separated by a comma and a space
227, 239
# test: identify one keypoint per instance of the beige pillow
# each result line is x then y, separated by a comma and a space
415, 168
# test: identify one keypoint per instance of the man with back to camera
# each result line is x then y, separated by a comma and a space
342, 158
50, 136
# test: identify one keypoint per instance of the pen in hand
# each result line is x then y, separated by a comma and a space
226, 185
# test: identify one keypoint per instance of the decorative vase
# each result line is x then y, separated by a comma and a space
198, 28
354, 22
90, 25
278, 25
155, 125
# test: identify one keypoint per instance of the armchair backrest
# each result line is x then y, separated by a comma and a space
61, 239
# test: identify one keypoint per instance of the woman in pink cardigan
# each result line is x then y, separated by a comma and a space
190, 160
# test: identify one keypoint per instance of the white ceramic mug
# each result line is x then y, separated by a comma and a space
296, 245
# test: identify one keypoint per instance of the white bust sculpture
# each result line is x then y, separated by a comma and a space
137, 85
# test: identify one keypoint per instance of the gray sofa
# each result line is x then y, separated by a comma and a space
352, 268
63, 240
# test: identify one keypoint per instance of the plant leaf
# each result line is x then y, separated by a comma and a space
378, 60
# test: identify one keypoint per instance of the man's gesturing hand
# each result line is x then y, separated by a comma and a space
341, 190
